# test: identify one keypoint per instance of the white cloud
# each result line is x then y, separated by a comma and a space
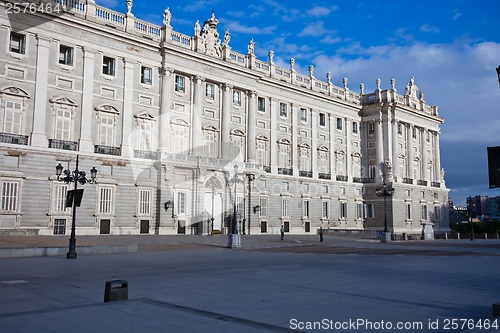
320, 11
253, 30
456, 14
429, 28
314, 29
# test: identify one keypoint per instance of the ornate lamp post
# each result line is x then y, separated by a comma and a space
385, 192
76, 177
234, 239
251, 178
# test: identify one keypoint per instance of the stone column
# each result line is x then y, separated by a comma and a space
395, 159
409, 150
314, 143
423, 147
251, 127
85, 142
295, 141
197, 135
226, 121
39, 135
273, 143
333, 164
437, 159
348, 150
380, 149
128, 112
164, 129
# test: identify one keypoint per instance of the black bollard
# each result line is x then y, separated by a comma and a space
321, 234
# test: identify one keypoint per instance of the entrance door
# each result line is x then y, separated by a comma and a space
217, 209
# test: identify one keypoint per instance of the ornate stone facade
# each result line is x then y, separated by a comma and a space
165, 117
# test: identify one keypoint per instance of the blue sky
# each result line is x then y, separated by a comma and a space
451, 48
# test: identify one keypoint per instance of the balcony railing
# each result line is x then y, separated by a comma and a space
324, 176
285, 171
407, 180
422, 182
107, 150
146, 154
14, 138
303, 173
436, 184
63, 144
342, 178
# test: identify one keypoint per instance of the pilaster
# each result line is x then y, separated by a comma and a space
128, 112
251, 127
39, 135
85, 142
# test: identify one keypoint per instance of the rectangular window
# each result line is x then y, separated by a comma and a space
263, 206
343, 210
60, 192
339, 124
13, 117
59, 226
181, 203
424, 212
284, 157
10, 196
108, 66
354, 127
106, 200
408, 211
359, 211
305, 208
145, 202
17, 43
146, 75
209, 91
63, 123
322, 119
369, 211
261, 152
261, 104
179, 133
65, 55
413, 132
237, 98
437, 213
145, 136
180, 83
210, 147
371, 128
285, 203
303, 115
400, 129
106, 129
325, 211
283, 110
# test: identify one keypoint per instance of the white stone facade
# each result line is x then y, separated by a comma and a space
164, 117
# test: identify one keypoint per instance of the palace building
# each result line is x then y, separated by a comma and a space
182, 129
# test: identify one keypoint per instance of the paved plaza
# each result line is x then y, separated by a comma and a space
195, 284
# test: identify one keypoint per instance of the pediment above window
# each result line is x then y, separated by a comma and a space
211, 128
340, 152
304, 145
356, 154
237, 132
106, 108
179, 121
283, 141
63, 100
15, 92
145, 116
262, 137
323, 148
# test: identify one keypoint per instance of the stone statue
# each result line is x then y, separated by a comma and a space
167, 16
393, 83
328, 77
227, 38
344, 81
362, 89
251, 47
128, 3
271, 56
378, 84
311, 70
292, 64
197, 28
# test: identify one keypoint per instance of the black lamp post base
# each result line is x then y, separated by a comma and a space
233, 241
72, 252
386, 237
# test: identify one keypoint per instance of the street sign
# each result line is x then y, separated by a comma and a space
75, 195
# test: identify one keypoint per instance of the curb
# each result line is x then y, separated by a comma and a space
26, 252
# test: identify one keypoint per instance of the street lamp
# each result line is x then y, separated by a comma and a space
385, 192
251, 178
234, 239
76, 177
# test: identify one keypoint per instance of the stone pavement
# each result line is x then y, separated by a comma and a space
195, 284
